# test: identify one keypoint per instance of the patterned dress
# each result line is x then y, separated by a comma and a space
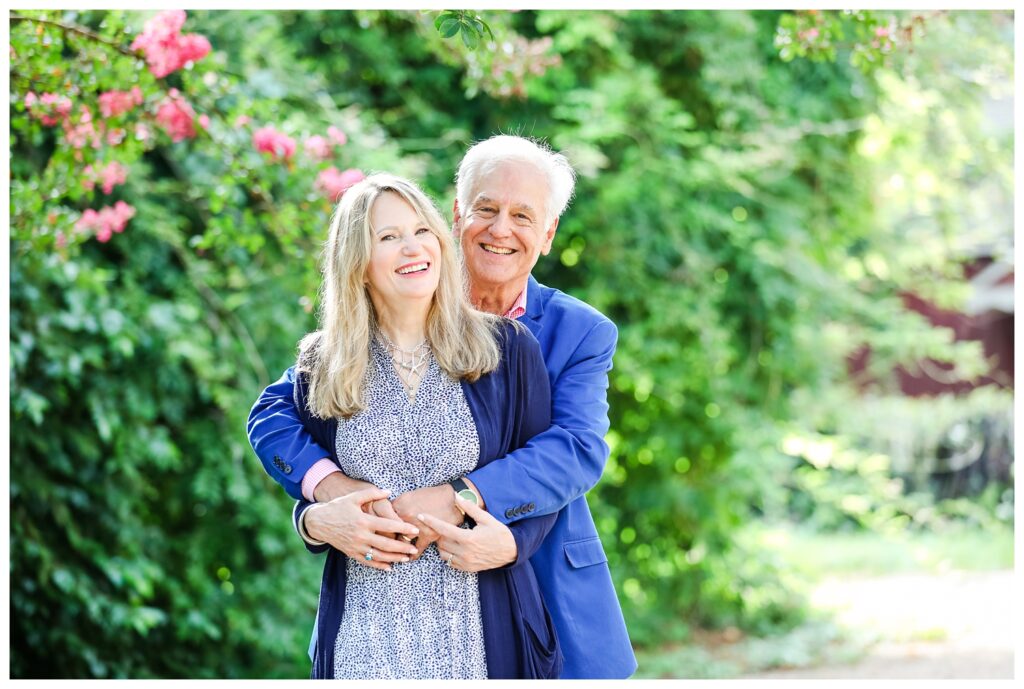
421, 620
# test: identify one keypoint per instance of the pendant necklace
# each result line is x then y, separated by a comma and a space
411, 364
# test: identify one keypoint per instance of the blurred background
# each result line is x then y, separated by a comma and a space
801, 223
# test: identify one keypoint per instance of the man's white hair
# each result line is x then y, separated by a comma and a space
484, 157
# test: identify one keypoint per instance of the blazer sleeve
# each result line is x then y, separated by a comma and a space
277, 435
565, 461
531, 415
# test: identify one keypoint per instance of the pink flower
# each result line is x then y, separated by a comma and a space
337, 136
176, 116
318, 148
50, 109
334, 183
114, 103
115, 135
881, 31
108, 220
241, 121
85, 133
165, 47
112, 175
142, 132
204, 121
269, 140
812, 34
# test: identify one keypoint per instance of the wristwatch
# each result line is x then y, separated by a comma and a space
463, 490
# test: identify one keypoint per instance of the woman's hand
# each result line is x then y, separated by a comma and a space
345, 525
488, 545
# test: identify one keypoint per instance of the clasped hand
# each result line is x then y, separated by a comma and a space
363, 520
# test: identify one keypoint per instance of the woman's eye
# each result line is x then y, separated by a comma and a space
386, 237
422, 230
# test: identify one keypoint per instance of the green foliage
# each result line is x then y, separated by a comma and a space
727, 218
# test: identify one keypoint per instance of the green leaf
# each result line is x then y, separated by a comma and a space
470, 38
449, 27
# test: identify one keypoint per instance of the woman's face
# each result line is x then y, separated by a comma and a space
405, 258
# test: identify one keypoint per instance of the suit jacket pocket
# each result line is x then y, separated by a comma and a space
585, 553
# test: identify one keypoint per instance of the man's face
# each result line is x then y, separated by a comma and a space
502, 232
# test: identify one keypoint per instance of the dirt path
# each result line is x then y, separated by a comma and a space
953, 625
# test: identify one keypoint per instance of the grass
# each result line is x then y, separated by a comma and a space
816, 556
813, 557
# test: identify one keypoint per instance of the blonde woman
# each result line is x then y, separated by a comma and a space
411, 387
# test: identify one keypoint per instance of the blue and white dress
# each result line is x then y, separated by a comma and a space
422, 619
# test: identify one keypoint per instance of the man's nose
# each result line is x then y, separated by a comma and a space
502, 226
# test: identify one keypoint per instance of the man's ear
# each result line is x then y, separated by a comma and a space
549, 237
456, 220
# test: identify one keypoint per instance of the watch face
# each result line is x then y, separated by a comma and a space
467, 494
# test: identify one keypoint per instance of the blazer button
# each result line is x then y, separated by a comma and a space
287, 469
509, 513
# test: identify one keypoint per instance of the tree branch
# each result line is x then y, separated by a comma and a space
75, 29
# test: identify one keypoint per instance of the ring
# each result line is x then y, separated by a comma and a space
450, 558
369, 555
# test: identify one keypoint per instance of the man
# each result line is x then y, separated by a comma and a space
510, 195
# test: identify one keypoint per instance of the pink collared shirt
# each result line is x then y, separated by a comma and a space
325, 467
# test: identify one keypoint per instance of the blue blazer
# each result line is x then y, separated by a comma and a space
549, 475
508, 405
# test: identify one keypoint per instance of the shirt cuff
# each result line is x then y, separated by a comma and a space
317, 473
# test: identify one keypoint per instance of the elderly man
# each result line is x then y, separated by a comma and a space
510, 193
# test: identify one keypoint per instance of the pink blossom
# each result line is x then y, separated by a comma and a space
85, 132
112, 175
812, 34
204, 121
337, 136
50, 109
114, 103
115, 135
165, 47
318, 148
142, 132
177, 117
334, 183
241, 121
881, 31
269, 140
108, 220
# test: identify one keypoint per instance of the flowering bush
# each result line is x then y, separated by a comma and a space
144, 224
165, 47
269, 140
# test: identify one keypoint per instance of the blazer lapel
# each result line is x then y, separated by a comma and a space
534, 307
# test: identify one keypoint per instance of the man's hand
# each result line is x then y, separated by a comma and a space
343, 524
437, 501
488, 545
337, 485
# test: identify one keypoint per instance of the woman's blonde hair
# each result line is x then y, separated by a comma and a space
335, 357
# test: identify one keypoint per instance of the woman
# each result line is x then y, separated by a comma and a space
411, 387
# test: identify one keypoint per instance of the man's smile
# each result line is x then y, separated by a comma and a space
500, 250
